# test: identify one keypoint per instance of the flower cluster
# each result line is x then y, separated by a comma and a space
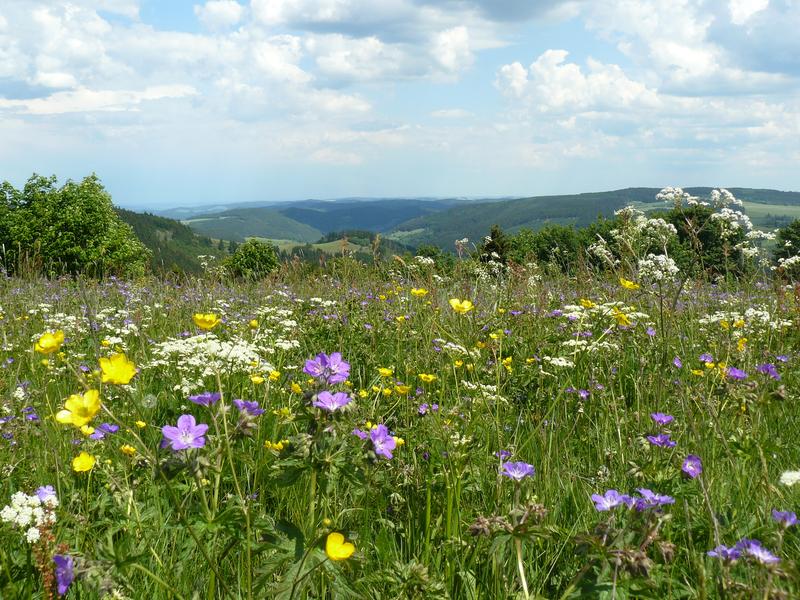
32, 513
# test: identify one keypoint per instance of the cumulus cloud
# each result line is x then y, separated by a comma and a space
219, 14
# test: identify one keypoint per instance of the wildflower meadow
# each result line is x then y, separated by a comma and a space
403, 431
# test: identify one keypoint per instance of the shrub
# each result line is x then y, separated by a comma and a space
255, 259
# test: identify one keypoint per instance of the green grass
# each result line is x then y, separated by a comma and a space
235, 519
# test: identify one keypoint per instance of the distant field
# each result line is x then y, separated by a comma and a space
334, 247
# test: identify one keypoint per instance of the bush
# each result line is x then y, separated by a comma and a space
72, 230
253, 260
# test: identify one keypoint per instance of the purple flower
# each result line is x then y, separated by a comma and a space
677, 362
382, 442
206, 398
736, 374
724, 553
649, 499
188, 434
331, 369
769, 369
784, 518
64, 572
661, 419
583, 394
706, 358
692, 466
754, 549
502, 454
517, 470
104, 429
249, 408
47, 491
331, 402
611, 499
650, 331
662, 440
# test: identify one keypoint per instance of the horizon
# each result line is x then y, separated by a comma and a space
185, 103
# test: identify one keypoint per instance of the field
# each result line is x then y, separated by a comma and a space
515, 437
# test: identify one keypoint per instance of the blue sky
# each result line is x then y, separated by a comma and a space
185, 102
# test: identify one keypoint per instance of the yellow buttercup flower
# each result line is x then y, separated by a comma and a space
427, 377
83, 462
621, 317
586, 303
462, 307
385, 371
257, 379
336, 548
206, 321
628, 284
419, 292
127, 449
79, 410
49, 342
402, 389
296, 389
140, 424
117, 369
386, 392
274, 375
363, 393
254, 323
740, 345
87, 430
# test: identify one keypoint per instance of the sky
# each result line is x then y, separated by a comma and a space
180, 103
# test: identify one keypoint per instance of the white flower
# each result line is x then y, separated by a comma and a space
790, 478
32, 535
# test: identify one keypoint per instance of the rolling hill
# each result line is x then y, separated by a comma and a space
768, 208
241, 223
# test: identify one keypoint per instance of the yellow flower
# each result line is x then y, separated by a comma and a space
480, 345
628, 284
698, 372
741, 344
399, 441
49, 342
363, 393
419, 292
296, 389
274, 375
402, 389
257, 379
277, 446
140, 424
87, 430
117, 369
739, 323
83, 462
128, 449
206, 321
458, 364
386, 392
336, 548
401, 319
462, 307
80, 410
427, 377
386, 371
724, 324
254, 323
105, 343
586, 303
621, 317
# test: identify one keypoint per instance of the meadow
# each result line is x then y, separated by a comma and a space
397, 432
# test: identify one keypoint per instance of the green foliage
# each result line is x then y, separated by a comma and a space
71, 229
559, 245
787, 241
174, 246
253, 260
495, 246
240, 224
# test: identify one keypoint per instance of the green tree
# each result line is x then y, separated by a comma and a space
787, 241
253, 260
69, 229
495, 246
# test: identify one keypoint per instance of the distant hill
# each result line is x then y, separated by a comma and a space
175, 246
241, 223
474, 220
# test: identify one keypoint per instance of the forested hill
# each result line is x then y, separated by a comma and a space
175, 246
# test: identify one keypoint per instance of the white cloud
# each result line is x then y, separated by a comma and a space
219, 14
84, 100
742, 10
451, 49
452, 113
333, 156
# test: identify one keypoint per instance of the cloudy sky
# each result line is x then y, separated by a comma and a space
181, 102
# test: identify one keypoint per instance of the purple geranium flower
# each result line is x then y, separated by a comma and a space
736, 374
331, 369
247, 407
64, 572
47, 491
784, 518
188, 434
692, 466
102, 430
331, 402
661, 419
770, 370
502, 454
706, 358
517, 470
206, 398
677, 362
382, 442
360, 433
754, 549
724, 553
611, 499
662, 440
650, 499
